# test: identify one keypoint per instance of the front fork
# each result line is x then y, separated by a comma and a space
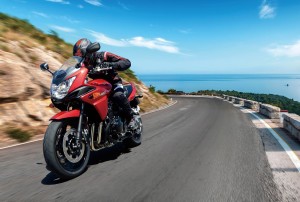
79, 130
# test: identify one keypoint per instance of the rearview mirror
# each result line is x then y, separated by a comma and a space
44, 66
93, 47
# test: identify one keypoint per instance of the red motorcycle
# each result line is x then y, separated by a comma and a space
88, 121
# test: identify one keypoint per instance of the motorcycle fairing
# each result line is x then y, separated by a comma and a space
80, 78
98, 97
66, 114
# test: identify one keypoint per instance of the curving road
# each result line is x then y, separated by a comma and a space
200, 149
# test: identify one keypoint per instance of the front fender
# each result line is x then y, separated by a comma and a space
66, 114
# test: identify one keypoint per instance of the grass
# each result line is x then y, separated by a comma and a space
4, 48
19, 55
18, 134
33, 58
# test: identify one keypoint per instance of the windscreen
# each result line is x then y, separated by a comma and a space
68, 68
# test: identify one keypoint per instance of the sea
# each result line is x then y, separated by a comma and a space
287, 85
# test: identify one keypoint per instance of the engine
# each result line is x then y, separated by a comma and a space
117, 126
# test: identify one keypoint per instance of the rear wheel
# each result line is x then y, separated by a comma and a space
136, 138
60, 151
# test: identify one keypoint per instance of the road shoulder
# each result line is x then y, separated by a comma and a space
286, 175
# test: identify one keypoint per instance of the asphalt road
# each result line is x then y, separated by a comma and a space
200, 149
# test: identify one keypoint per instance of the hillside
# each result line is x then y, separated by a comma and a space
24, 89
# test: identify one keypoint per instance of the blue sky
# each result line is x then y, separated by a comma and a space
165, 36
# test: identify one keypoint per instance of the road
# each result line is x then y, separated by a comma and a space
200, 149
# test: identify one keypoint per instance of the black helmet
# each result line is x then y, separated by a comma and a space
80, 46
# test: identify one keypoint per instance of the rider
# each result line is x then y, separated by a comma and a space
107, 59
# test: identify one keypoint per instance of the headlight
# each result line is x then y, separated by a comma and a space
61, 90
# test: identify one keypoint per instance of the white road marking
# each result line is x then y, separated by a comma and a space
159, 108
14, 145
294, 158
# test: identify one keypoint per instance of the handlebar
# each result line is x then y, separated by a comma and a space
98, 68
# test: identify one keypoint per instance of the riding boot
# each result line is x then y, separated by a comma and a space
121, 100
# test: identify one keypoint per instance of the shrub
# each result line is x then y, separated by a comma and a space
18, 134
172, 91
39, 37
152, 89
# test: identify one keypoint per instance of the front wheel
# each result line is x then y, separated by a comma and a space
136, 138
61, 154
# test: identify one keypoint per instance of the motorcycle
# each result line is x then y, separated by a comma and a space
88, 119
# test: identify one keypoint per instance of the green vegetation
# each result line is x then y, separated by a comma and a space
4, 48
18, 134
19, 55
129, 75
276, 100
51, 41
152, 89
172, 91
33, 58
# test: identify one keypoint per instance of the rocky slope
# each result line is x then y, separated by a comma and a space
24, 89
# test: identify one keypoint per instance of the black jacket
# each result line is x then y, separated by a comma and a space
116, 62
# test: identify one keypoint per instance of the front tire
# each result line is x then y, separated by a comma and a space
59, 152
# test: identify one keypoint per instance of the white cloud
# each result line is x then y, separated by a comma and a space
156, 43
80, 6
291, 50
94, 2
63, 29
107, 40
59, 1
40, 14
266, 10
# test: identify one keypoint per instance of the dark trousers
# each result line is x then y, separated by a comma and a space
121, 100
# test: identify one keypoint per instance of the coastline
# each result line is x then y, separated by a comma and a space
279, 84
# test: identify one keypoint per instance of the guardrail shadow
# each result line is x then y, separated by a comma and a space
285, 170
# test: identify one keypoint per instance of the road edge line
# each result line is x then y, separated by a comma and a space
19, 144
294, 158
155, 110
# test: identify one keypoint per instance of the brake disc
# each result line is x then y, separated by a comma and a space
74, 155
